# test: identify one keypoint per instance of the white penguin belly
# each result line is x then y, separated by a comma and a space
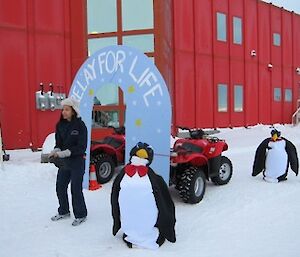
138, 211
276, 159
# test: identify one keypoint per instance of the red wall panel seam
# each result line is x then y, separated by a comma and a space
282, 70
195, 71
213, 65
32, 70
230, 82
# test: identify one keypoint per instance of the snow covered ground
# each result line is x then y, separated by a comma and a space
246, 218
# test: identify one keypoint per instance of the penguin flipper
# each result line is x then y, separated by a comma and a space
166, 209
260, 157
292, 156
115, 208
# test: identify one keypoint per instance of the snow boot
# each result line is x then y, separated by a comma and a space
78, 221
60, 216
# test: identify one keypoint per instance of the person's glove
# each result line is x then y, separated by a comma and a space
55, 150
64, 154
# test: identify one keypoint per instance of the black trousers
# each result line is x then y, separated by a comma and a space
64, 177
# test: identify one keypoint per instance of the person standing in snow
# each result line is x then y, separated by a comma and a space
69, 156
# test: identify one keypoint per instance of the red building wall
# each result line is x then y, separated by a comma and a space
202, 62
184, 63
251, 100
296, 54
45, 41
35, 47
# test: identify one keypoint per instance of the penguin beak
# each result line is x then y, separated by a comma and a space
142, 153
274, 137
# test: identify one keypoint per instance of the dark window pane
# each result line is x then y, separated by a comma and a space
102, 119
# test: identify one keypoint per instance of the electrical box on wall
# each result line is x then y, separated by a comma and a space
41, 100
48, 100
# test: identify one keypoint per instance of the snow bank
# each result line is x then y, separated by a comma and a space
246, 218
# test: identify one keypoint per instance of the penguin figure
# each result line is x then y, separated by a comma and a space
273, 156
141, 203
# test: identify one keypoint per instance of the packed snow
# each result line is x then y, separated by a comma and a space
246, 218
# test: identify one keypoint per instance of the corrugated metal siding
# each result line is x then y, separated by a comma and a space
35, 47
202, 62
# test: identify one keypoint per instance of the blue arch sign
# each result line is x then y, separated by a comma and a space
148, 106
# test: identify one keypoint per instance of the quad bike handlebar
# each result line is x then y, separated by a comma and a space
195, 133
198, 133
119, 130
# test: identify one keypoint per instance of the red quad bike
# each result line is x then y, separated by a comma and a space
108, 153
196, 159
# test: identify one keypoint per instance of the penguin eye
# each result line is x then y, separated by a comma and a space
139, 145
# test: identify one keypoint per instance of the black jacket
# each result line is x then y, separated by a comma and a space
260, 156
166, 209
72, 135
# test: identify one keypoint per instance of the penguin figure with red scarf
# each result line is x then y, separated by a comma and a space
274, 156
141, 203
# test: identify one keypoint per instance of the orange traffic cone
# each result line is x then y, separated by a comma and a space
93, 180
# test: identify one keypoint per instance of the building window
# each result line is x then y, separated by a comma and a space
102, 117
221, 27
102, 16
237, 31
238, 98
118, 22
108, 26
144, 43
288, 95
276, 39
94, 44
133, 19
277, 94
222, 98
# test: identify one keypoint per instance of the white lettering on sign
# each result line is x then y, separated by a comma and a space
90, 75
111, 61
131, 73
147, 79
121, 56
152, 92
101, 61
77, 93
83, 88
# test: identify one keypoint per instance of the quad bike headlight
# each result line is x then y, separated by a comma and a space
173, 154
212, 149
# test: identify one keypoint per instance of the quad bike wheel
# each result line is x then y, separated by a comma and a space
105, 167
192, 185
225, 172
